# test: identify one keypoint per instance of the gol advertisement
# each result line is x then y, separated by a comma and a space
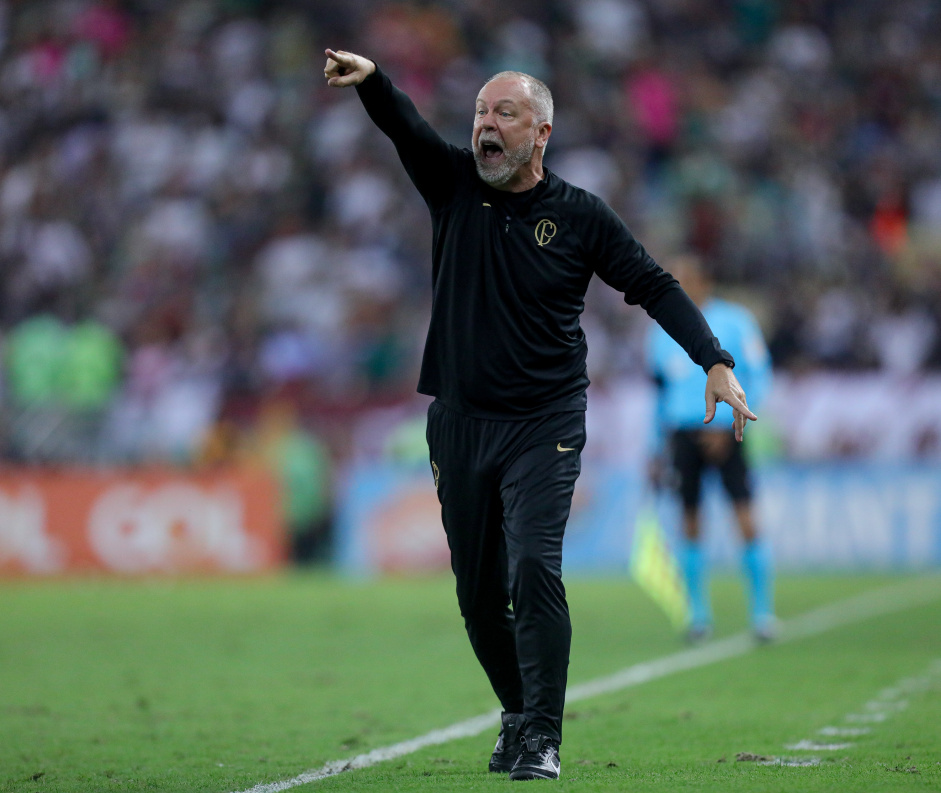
138, 523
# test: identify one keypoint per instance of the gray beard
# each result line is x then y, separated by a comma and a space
513, 159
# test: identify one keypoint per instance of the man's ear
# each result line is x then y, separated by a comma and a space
543, 131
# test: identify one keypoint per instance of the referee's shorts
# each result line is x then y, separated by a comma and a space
691, 459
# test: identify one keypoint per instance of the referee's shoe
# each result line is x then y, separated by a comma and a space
538, 760
509, 744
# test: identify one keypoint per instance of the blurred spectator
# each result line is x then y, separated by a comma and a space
91, 367
60, 381
34, 351
297, 459
301, 463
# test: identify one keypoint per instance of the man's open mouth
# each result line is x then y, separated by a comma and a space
491, 151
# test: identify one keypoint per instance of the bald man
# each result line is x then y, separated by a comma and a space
513, 250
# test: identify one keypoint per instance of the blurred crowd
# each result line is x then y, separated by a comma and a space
193, 228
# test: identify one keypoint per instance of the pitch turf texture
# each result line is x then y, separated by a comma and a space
223, 685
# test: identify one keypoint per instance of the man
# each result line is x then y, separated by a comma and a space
693, 449
514, 248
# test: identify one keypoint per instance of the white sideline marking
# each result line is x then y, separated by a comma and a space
874, 718
792, 762
846, 612
883, 705
888, 699
463, 729
814, 746
844, 732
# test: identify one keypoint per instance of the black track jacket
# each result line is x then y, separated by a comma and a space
509, 276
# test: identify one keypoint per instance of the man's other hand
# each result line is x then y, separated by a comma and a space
344, 69
722, 386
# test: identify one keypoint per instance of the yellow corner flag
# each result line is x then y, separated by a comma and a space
656, 571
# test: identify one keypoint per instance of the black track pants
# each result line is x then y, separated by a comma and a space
505, 489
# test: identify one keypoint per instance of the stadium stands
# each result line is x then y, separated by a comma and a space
177, 174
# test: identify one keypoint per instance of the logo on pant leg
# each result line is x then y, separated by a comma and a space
437, 473
561, 448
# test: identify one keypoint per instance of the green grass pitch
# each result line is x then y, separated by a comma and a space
219, 685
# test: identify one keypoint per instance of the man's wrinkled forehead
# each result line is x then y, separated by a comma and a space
508, 90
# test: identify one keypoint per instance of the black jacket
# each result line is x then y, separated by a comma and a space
509, 276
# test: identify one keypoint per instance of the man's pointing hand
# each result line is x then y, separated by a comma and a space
344, 69
723, 386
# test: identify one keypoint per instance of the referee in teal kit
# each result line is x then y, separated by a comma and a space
693, 449
513, 250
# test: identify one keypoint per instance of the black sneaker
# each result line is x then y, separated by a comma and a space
508, 748
538, 760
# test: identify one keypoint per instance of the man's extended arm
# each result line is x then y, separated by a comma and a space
428, 159
624, 264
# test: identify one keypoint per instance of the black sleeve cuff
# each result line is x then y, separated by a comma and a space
717, 356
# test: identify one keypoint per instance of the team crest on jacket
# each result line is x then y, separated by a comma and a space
545, 231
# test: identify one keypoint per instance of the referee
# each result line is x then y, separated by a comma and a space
693, 449
514, 247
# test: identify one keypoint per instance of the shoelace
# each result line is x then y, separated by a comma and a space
543, 753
